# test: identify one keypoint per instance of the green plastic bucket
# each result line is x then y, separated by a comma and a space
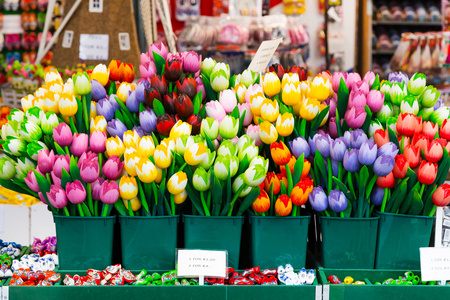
278, 241
348, 243
214, 233
149, 242
399, 239
84, 242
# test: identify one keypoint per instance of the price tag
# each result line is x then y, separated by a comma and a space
67, 39
201, 263
264, 55
435, 263
124, 41
94, 46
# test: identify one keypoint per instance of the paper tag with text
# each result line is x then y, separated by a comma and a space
435, 263
67, 39
264, 55
94, 46
196, 263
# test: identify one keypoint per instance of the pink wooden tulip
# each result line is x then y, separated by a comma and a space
96, 187
76, 193
248, 113
375, 100
434, 152
112, 169
98, 141
62, 135
444, 132
31, 181
56, 180
79, 144
351, 79
46, 160
57, 196
42, 198
89, 170
336, 79
61, 162
88, 155
356, 99
361, 86
355, 117
109, 192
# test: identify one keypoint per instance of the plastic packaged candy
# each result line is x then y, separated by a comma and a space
334, 279
112, 275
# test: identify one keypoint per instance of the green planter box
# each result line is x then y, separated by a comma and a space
348, 243
214, 233
369, 291
149, 242
399, 240
84, 242
278, 241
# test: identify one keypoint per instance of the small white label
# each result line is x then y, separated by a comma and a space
264, 55
326, 292
196, 263
95, 6
67, 39
435, 263
318, 292
124, 41
446, 235
5, 293
446, 222
94, 46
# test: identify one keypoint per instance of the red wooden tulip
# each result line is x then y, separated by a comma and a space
160, 83
187, 86
164, 124
381, 137
195, 120
407, 124
150, 95
412, 154
278, 69
420, 141
387, 181
434, 151
184, 106
128, 72
441, 196
444, 131
173, 69
429, 129
401, 166
427, 172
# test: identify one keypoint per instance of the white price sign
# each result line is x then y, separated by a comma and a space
200, 263
435, 263
264, 55
94, 46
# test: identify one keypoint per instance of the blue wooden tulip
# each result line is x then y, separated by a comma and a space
337, 201
351, 162
383, 165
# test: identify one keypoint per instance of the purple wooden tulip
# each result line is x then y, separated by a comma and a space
97, 90
377, 195
388, 149
337, 201
334, 167
76, 193
98, 141
140, 90
79, 144
96, 187
337, 149
61, 162
46, 160
312, 144
89, 170
398, 77
333, 106
139, 131
348, 139
105, 109
147, 118
332, 127
62, 135
367, 153
116, 128
132, 102
438, 104
323, 145
318, 199
355, 117
31, 181
112, 169
113, 101
356, 99
109, 192
357, 138
375, 100
351, 162
383, 165
299, 146
57, 196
